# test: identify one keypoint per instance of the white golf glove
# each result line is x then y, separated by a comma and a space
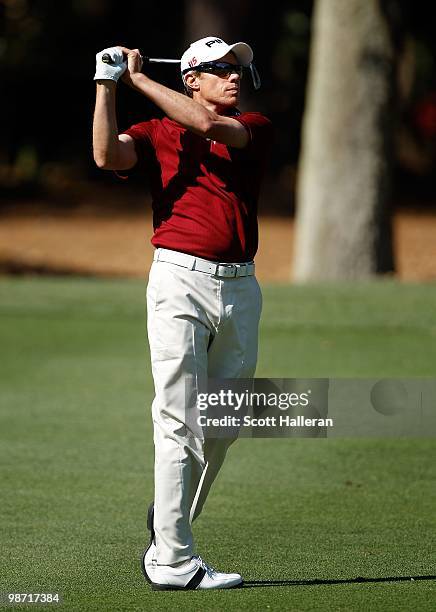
111, 71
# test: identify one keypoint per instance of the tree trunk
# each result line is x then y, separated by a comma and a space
343, 227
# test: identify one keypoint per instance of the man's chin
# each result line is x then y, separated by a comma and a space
232, 100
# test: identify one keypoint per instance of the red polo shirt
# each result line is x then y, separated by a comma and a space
204, 193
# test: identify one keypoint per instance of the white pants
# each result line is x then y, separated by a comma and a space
199, 326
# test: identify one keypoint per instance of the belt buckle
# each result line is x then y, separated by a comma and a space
229, 271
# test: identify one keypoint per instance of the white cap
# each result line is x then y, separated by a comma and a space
213, 48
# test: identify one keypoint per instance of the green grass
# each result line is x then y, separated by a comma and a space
76, 456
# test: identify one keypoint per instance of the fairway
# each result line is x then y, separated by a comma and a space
310, 524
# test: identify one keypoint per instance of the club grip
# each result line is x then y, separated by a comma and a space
107, 59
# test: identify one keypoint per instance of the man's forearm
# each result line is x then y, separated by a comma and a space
175, 105
105, 129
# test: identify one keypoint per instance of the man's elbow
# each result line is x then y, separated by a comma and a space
214, 130
100, 163
104, 162
208, 128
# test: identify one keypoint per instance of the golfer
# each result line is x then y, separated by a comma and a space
205, 160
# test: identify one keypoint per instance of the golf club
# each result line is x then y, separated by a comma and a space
107, 59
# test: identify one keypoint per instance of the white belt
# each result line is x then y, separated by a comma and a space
220, 270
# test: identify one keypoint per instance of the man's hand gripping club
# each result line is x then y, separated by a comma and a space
123, 63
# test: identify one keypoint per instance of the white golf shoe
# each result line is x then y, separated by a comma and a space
194, 574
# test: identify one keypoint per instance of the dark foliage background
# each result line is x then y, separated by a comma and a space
47, 56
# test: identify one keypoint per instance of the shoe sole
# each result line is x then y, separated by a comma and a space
169, 587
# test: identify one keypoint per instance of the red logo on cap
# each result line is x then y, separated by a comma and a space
193, 62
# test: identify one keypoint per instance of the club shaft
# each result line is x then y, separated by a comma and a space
107, 59
161, 60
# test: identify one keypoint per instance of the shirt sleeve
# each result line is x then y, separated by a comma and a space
261, 134
143, 135
259, 128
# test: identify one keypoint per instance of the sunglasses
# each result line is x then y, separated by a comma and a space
220, 69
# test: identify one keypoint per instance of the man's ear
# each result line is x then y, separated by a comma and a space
192, 81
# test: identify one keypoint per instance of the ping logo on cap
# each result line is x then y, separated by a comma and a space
212, 42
